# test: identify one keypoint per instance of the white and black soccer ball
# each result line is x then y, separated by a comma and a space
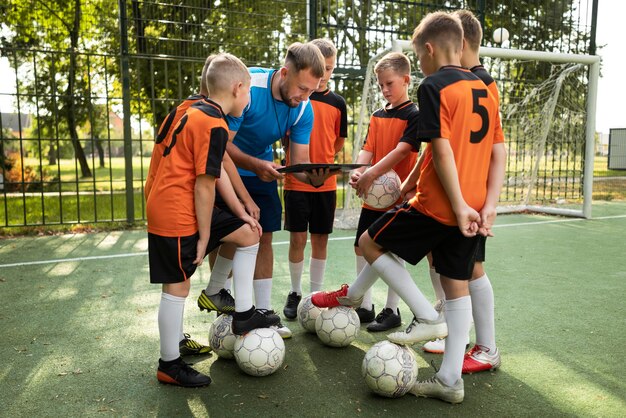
260, 352
384, 191
308, 313
221, 337
338, 326
389, 369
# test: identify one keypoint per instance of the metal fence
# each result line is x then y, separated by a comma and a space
82, 95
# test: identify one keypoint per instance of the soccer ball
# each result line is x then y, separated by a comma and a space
260, 352
384, 191
221, 337
308, 313
338, 326
389, 369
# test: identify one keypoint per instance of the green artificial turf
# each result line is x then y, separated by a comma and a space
79, 337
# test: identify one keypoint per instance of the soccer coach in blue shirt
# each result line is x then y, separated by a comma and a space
279, 109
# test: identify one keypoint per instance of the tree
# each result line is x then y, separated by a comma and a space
51, 43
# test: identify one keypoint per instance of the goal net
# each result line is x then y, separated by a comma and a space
547, 104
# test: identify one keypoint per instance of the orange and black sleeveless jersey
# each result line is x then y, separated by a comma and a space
482, 73
195, 147
387, 128
330, 123
165, 130
455, 105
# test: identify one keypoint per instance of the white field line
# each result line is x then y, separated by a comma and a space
145, 253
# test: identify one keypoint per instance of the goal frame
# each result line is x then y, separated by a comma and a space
592, 61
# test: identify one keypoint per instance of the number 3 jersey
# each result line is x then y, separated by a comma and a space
195, 147
456, 105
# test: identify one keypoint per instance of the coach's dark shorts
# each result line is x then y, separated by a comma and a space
265, 195
171, 258
411, 235
313, 209
366, 219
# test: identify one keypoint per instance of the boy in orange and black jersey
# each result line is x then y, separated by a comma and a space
391, 143
308, 207
183, 225
454, 201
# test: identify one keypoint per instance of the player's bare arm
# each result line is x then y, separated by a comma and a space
494, 186
400, 152
443, 158
240, 190
364, 157
266, 170
204, 198
407, 190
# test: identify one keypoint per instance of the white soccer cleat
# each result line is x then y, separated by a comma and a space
435, 388
282, 330
421, 330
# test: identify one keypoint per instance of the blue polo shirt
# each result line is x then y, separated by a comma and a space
265, 120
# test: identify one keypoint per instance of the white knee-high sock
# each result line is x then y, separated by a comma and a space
393, 299
171, 311
399, 279
295, 271
436, 280
219, 274
243, 273
483, 312
458, 316
363, 288
317, 267
360, 263
263, 293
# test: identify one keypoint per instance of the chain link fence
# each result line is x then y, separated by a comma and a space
85, 84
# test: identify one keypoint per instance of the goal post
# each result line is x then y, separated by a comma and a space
551, 169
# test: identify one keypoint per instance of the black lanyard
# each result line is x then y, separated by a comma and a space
284, 139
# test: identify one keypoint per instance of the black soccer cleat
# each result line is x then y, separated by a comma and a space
189, 347
385, 320
291, 306
222, 302
366, 315
244, 322
179, 373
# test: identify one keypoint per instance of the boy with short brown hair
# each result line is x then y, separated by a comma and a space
184, 225
457, 118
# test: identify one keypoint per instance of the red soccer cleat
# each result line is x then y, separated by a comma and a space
479, 359
335, 298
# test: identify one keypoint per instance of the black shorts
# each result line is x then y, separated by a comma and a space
171, 258
480, 251
411, 235
313, 209
366, 219
265, 195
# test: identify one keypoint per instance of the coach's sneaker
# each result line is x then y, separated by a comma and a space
366, 315
335, 298
177, 372
189, 347
385, 320
479, 359
435, 388
291, 306
254, 318
421, 330
222, 302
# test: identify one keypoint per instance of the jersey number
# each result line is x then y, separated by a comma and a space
181, 125
477, 136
